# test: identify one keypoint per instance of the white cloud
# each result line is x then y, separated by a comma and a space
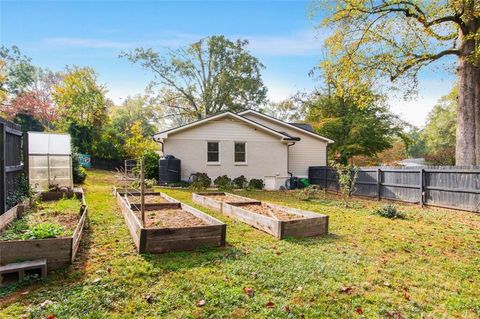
304, 42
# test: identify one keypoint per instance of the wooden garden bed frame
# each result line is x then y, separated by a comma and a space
58, 252
311, 224
162, 240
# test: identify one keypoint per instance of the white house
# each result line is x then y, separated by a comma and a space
249, 143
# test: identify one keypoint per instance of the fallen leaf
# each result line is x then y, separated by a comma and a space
269, 304
201, 303
287, 308
46, 303
299, 288
348, 290
148, 298
248, 291
94, 281
109, 270
359, 310
25, 293
51, 317
254, 275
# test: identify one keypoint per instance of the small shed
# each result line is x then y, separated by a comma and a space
49, 160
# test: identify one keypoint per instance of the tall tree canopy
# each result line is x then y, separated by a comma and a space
365, 130
439, 132
394, 39
81, 106
205, 78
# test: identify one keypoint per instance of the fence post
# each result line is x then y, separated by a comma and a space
325, 181
26, 167
421, 187
142, 190
3, 186
379, 183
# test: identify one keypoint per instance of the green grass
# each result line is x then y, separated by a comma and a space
426, 265
55, 218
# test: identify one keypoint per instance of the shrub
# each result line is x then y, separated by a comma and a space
390, 211
256, 183
179, 184
240, 182
79, 173
223, 182
200, 181
19, 193
150, 162
42, 231
309, 192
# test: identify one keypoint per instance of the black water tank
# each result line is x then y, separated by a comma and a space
169, 170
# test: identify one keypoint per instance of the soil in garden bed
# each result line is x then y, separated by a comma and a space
227, 198
170, 218
49, 219
149, 199
271, 212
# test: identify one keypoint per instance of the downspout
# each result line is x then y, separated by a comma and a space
288, 158
163, 145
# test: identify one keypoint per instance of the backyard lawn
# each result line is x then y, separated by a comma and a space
426, 266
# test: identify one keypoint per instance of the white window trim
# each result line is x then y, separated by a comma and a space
219, 155
246, 158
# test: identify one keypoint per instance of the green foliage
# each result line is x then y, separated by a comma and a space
17, 72
43, 231
151, 164
240, 182
439, 133
205, 78
256, 183
416, 146
356, 130
308, 193
389, 211
82, 106
346, 176
200, 181
136, 143
223, 182
79, 172
19, 193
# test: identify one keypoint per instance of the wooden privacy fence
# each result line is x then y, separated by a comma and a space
443, 186
106, 164
11, 160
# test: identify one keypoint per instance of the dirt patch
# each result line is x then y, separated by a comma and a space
170, 218
149, 199
271, 212
227, 198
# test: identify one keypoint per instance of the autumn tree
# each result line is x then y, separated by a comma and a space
82, 106
356, 130
137, 144
394, 39
212, 75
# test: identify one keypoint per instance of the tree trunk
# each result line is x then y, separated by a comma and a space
468, 111
477, 117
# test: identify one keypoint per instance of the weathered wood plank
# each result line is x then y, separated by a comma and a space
161, 240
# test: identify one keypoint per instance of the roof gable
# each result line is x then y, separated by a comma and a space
282, 136
298, 127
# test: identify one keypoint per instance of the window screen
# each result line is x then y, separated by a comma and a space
213, 154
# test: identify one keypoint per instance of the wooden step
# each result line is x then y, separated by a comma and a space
15, 272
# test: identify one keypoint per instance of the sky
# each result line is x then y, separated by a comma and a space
94, 33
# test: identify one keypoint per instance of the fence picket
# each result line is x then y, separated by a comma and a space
443, 186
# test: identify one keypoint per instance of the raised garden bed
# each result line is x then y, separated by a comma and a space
67, 220
170, 226
276, 220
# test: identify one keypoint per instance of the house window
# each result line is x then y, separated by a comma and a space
213, 152
240, 152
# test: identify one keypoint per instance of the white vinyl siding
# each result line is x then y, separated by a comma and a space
309, 151
265, 153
